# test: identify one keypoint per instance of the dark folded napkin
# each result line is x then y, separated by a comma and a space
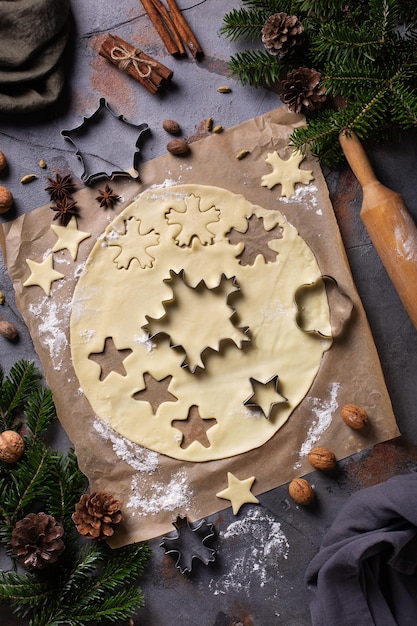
33, 36
365, 571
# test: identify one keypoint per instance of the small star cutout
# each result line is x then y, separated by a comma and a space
110, 359
69, 237
286, 173
155, 391
238, 492
265, 396
42, 274
194, 428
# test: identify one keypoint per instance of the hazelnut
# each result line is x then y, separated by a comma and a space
172, 127
322, 459
354, 416
3, 161
178, 147
12, 446
8, 330
301, 491
6, 199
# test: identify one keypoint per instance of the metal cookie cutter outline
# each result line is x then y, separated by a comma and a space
340, 305
86, 178
201, 531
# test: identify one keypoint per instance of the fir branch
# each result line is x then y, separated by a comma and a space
244, 24
21, 381
255, 67
22, 591
39, 411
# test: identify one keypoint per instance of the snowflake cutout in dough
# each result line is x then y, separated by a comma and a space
193, 222
286, 173
135, 244
198, 312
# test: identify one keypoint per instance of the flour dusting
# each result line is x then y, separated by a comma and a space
259, 546
133, 454
324, 411
306, 193
53, 317
173, 496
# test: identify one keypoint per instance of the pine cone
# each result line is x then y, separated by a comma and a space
301, 90
97, 515
282, 33
37, 540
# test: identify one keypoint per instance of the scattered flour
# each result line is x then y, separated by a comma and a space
324, 411
306, 193
145, 340
173, 496
53, 317
141, 459
259, 547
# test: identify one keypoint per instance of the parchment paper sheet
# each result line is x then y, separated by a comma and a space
350, 370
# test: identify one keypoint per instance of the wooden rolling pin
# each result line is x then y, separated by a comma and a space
389, 224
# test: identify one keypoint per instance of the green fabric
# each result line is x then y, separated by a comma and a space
33, 36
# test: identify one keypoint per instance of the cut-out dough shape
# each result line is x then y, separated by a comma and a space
254, 234
69, 237
110, 359
286, 173
187, 331
194, 428
265, 396
42, 274
155, 391
238, 492
134, 243
110, 302
193, 221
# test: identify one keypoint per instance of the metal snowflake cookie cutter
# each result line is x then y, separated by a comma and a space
109, 152
237, 334
340, 305
187, 542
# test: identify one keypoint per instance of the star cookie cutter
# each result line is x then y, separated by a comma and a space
340, 304
108, 154
187, 543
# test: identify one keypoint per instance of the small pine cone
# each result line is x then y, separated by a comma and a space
282, 33
37, 540
302, 92
97, 515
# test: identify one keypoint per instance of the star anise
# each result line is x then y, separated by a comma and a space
65, 209
60, 188
107, 198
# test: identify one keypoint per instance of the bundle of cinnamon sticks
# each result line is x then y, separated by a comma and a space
147, 71
172, 27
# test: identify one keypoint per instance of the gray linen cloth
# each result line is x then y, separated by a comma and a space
365, 573
33, 36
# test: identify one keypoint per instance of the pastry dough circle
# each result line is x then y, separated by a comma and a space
125, 285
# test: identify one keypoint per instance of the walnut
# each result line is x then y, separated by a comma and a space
6, 199
12, 446
3, 162
301, 491
322, 459
8, 330
354, 416
178, 147
172, 127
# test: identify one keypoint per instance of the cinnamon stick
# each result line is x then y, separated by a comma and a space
184, 30
143, 68
164, 26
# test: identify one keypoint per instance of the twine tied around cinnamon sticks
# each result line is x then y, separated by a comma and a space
124, 57
129, 59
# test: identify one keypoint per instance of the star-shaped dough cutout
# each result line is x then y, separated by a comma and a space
42, 274
265, 396
69, 237
238, 492
155, 391
286, 173
111, 359
194, 428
